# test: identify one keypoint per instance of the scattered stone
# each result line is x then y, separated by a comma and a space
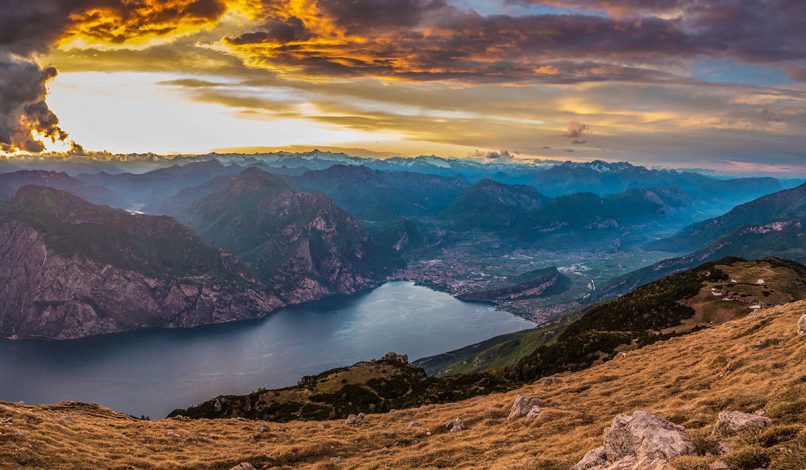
802, 326
731, 422
550, 380
415, 424
718, 465
262, 429
324, 426
243, 466
355, 419
523, 404
724, 447
337, 460
533, 413
455, 425
641, 441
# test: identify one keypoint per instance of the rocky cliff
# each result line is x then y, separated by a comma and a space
301, 244
70, 269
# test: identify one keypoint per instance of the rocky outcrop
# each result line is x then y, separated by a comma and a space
523, 406
638, 442
69, 269
731, 422
802, 326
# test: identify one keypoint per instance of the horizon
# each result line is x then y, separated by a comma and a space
668, 84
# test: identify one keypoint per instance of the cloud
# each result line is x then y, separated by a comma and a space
22, 106
30, 28
576, 130
501, 155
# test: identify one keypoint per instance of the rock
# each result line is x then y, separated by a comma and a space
243, 466
262, 429
731, 422
593, 459
550, 380
455, 425
643, 441
324, 426
355, 419
718, 465
802, 326
337, 460
415, 424
533, 413
523, 404
395, 357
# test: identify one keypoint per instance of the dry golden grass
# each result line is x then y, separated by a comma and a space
688, 379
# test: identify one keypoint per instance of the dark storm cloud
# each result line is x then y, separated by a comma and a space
275, 31
29, 28
23, 107
436, 40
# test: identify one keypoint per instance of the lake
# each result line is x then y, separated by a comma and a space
153, 372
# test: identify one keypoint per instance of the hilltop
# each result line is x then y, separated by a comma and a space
755, 362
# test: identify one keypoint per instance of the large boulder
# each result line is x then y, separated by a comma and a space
802, 326
639, 442
523, 405
731, 422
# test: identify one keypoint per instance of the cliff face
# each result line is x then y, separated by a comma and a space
301, 244
60, 282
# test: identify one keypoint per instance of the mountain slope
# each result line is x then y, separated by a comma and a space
490, 205
781, 238
787, 204
692, 299
71, 269
756, 362
302, 244
383, 196
592, 221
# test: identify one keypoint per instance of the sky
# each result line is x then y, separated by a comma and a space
715, 84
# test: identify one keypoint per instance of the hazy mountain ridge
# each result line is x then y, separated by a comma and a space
782, 205
59, 180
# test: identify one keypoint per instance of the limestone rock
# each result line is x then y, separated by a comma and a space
593, 459
731, 422
533, 413
802, 326
643, 441
243, 466
355, 419
646, 435
523, 404
455, 425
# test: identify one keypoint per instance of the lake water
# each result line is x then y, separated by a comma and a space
153, 372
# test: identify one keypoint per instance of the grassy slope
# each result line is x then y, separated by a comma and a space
688, 379
495, 352
675, 304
